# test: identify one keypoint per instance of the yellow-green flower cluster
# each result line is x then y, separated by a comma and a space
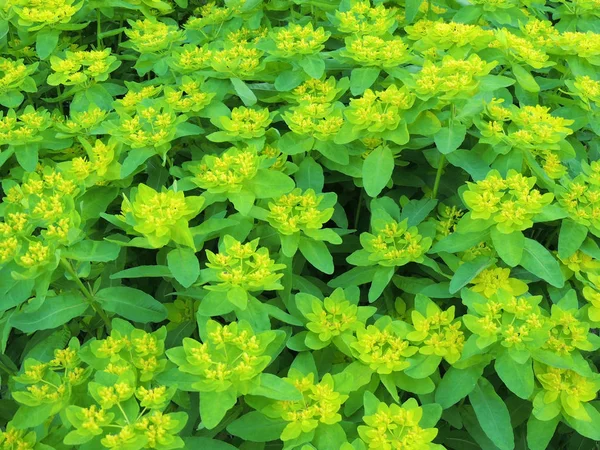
39, 215
82, 122
378, 111
299, 212
587, 89
384, 346
322, 121
245, 123
446, 35
129, 350
331, 317
489, 281
362, 18
100, 165
567, 333
591, 293
161, 216
191, 58
230, 357
519, 49
187, 96
24, 127
181, 311
564, 391
152, 36
40, 13
298, 39
581, 197
508, 203
395, 244
228, 172
244, 266
516, 322
437, 332
209, 14
52, 382
448, 217
148, 126
15, 439
377, 51
320, 405
16, 76
82, 67
451, 78
397, 427
237, 59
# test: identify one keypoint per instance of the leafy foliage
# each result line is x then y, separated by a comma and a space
299, 224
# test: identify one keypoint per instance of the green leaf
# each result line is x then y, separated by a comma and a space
96, 251
517, 377
310, 175
539, 433
132, 304
214, 405
142, 272
11, 99
492, 414
589, 429
313, 65
317, 254
27, 156
540, 262
467, 271
416, 211
184, 265
255, 427
508, 246
45, 41
571, 237
377, 170
525, 79
362, 78
288, 80
195, 442
456, 385
54, 312
271, 184
243, 92
412, 8
272, 386
381, 279
449, 138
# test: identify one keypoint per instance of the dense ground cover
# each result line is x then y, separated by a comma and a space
299, 224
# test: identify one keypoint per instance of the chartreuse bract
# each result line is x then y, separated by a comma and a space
299, 225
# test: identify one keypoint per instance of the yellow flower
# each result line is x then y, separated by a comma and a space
489, 281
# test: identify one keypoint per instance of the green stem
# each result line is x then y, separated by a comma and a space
99, 43
60, 102
86, 292
438, 176
358, 207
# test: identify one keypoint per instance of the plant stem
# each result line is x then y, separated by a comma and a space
99, 43
358, 207
86, 292
438, 176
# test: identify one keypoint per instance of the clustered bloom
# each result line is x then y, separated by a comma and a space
230, 357
581, 197
394, 244
245, 123
438, 333
377, 51
384, 346
364, 19
563, 391
300, 211
82, 66
509, 203
297, 39
395, 426
377, 111
320, 403
331, 317
161, 216
244, 266
152, 36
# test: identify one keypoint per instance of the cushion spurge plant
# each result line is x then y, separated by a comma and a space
299, 225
